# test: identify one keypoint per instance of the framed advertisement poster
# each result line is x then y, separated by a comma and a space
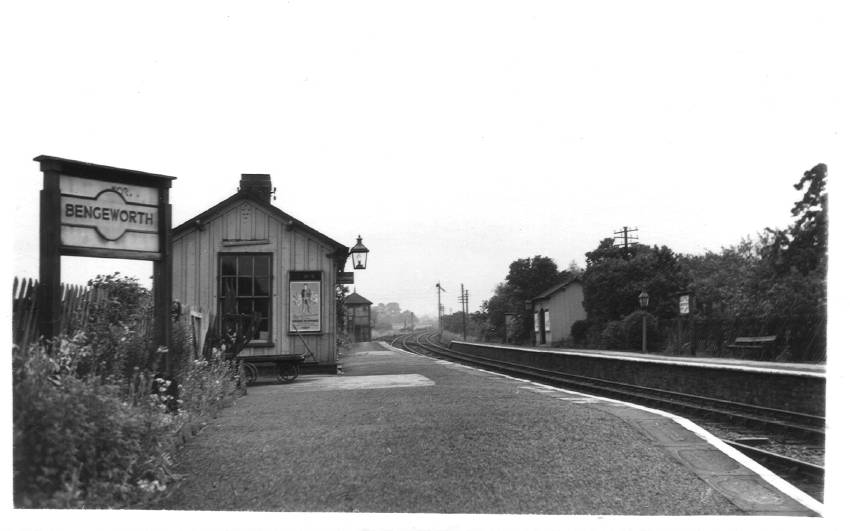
305, 302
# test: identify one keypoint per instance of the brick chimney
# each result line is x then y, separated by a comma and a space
258, 185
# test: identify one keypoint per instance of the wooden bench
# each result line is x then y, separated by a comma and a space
753, 347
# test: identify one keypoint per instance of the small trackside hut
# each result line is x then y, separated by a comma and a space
555, 311
246, 260
358, 317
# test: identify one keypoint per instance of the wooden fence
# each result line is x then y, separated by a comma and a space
76, 301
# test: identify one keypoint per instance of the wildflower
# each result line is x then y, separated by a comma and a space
150, 486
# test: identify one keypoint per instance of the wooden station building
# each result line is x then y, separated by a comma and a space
244, 259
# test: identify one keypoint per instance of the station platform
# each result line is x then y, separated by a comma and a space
794, 387
397, 432
812, 369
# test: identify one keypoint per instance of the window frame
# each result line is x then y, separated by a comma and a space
269, 342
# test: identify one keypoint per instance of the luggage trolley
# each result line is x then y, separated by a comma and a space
287, 366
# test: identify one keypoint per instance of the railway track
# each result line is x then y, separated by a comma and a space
762, 424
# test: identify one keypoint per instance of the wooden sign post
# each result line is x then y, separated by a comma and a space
103, 212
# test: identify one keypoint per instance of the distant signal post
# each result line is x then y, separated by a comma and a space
439, 311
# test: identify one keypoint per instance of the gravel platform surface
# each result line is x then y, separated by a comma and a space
402, 433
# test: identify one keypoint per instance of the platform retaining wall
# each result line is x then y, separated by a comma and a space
801, 393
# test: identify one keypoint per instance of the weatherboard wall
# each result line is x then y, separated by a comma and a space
566, 306
247, 227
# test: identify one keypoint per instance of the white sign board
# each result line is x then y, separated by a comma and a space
684, 304
103, 215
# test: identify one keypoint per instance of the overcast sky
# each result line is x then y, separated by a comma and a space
454, 136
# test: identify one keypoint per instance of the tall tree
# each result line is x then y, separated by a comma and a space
803, 246
530, 276
723, 282
792, 278
779, 275
615, 276
526, 278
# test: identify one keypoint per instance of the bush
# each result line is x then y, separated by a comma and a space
88, 439
578, 331
207, 385
613, 336
118, 328
93, 419
80, 442
633, 328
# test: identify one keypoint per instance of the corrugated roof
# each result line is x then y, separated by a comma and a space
554, 289
356, 298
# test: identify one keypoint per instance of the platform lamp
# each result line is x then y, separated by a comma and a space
643, 299
359, 253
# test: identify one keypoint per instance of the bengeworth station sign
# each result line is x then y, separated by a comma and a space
105, 215
104, 212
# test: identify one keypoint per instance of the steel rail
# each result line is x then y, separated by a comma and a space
775, 461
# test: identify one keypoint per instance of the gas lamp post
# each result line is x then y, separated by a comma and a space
359, 254
643, 299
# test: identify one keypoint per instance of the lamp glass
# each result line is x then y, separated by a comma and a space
359, 254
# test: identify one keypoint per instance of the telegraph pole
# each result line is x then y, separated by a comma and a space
464, 306
439, 311
625, 236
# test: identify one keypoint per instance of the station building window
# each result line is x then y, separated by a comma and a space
244, 295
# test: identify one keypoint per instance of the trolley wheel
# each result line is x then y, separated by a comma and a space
287, 372
251, 372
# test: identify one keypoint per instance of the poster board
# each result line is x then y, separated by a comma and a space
305, 302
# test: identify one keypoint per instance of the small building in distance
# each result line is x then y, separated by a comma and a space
555, 311
256, 267
358, 317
